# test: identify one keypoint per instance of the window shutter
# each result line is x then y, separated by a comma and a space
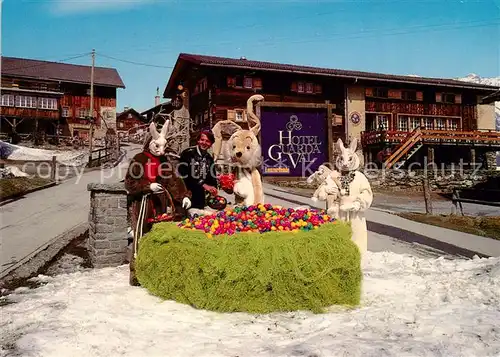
420, 95
394, 93
458, 98
231, 81
439, 98
231, 115
294, 87
369, 92
257, 83
317, 89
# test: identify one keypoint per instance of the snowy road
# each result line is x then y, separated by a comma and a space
410, 307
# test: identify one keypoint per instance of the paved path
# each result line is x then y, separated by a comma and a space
29, 224
393, 233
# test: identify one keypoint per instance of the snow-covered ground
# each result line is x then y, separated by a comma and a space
411, 307
64, 157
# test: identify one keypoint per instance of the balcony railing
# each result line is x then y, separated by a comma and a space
485, 137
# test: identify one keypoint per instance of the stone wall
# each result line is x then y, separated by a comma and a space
440, 181
108, 223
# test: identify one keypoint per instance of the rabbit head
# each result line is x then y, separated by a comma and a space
243, 146
347, 159
158, 144
319, 176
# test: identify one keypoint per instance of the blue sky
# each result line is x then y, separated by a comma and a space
428, 38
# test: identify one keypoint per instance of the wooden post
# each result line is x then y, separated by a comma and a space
53, 169
427, 194
473, 158
329, 128
430, 154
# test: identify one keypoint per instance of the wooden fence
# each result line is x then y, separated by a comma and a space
100, 156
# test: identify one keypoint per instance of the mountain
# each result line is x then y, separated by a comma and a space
474, 78
494, 81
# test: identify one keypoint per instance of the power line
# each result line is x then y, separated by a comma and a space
132, 62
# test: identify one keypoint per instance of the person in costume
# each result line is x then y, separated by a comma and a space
197, 168
151, 173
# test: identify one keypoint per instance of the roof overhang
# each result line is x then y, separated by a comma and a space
435, 83
14, 89
96, 83
184, 59
491, 98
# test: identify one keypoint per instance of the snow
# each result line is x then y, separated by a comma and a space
411, 307
12, 171
65, 157
474, 78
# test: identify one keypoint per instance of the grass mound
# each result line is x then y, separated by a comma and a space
252, 272
17, 186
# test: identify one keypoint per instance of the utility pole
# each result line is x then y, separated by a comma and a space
91, 116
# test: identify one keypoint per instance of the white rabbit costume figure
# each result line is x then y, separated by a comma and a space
328, 189
356, 195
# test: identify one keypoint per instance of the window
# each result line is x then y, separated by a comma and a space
429, 123
43, 87
453, 124
7, 100
440, 124
414, 123
239, 115
381, 92
47, 103
65, 112
121, 124
382, 122
83, 112
248, 82
409, 95
448, 98
300, 87
26, 102
238, 81
403, 123
309, 88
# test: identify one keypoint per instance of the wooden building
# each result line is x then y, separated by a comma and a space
406, 117
52, 97
128, 121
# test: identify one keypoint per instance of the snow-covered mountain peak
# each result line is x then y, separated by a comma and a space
475, 78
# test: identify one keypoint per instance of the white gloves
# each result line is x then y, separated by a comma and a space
186, 203
354, 206
155, 187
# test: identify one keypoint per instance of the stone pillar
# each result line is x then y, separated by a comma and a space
491, 160
108, 223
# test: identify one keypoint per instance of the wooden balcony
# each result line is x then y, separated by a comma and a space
433, 137
30, 113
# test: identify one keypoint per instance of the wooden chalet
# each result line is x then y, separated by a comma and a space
52, 97
397, 118
128, 121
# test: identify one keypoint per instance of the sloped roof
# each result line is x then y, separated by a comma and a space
64, 72
131, 111
241, 63
494, 97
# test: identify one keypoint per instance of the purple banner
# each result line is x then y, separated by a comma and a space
294, 143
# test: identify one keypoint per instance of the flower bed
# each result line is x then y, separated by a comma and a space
306, 262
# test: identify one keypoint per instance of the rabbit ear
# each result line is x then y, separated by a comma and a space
340, 145
165, 128
354, 144
153, 131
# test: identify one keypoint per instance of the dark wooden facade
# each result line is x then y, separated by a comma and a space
51, 97
128, 120
391, 106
